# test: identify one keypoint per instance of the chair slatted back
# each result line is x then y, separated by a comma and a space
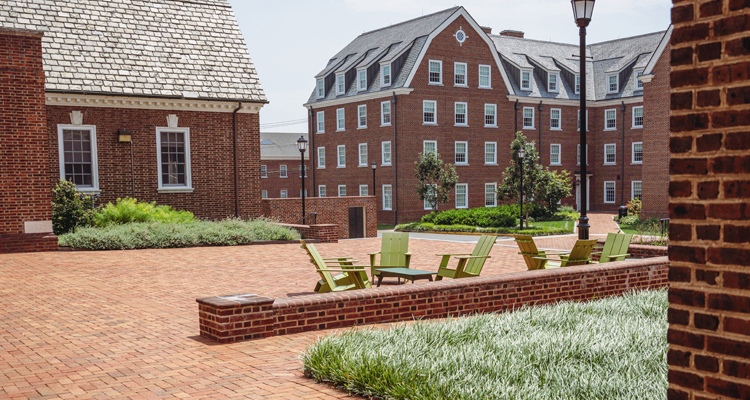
394, 246
529, 251
616, 244
581, 252
320, 265
483, 248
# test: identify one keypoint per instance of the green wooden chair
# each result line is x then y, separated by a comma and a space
469, 265
352, 277
530, 252
615, 248
580, 255
394, 252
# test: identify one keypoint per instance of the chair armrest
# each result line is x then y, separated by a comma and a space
346, 261
372, 254
558, 253
468, 257
618, 255
345, 270
455, 254
336, 258
596, 252
548, 259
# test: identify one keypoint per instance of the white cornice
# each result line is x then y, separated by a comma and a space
659, 50
646, 78
359, 98
84, 100
575, 103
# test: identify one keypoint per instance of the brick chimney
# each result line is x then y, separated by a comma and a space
509, 32
486, 29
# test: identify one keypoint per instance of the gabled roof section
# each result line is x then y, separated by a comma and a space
281, 146
172, 48
659, 50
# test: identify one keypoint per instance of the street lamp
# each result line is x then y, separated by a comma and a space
521, 155
374, 166
582, 11
302, 146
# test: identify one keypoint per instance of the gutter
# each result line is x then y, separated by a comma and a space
153, 96
313, 151
394, 203
516, 115
236, 163
622, 181
539, 148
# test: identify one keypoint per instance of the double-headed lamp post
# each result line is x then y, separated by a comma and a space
302, 146
521, 156
582, 11
374, 166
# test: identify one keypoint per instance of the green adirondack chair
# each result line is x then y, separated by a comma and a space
530, 252
394, 252
580, 255
615, 248
354, 276
469, 265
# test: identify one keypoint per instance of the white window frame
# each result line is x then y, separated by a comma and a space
577, 84
632, 189
424, 145
614, 192
264, 194
494, 195
552, 152
609, 83
367, 189
321, 157
557, 82
489, 76
465, 152
283, 172
322, 191
429, 76
383, 153
302, 167
612, 146
340, 119
340, 84
383, 75
320, 121
427, 206
637, 83
360, 125
523, 118
283, 194
320, 88
300, 193
494, 116
340, 187
465, 74
383, 113
361, 88
187, 187
465, 187
264, 171
360, 147
578, 154
494, 153
387, 195
456, 114
632, 152
531, 78
434, 112
606, 120
559, 119
578, 123
339, 164
642, 117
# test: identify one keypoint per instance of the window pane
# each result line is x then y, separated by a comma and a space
77, 162
489, 195
435, 71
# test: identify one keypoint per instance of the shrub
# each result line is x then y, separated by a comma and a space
629, 220
634, 206
70, 208
502, 216
430, 227
129, 210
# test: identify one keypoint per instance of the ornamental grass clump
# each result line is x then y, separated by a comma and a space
614, 348
129, 210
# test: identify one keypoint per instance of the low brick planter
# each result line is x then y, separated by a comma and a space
234, 318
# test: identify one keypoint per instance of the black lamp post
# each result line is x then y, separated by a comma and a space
302, 146
374, 166
521, 155
582, 11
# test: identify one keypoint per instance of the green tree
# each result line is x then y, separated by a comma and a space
552, 187
510, 188
70, 208
435, 179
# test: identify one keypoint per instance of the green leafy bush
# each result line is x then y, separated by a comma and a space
634, 206
70, 208
630, 220
505, 215
533, 230
129, 210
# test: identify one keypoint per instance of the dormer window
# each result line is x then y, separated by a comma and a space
361, 80
459, 72
578, 84
638, 84
340, 86
526, 80
321, 88
552, 82
613, 86
386, 75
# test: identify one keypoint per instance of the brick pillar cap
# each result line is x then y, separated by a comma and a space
235, 301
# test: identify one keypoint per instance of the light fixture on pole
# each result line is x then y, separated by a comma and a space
521, 156
582, 11
374, 166
302, 146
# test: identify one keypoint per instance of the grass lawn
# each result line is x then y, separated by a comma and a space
567, 225
614, 348
630, 229
385, 227
534, 229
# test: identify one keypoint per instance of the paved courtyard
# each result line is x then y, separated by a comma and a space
123, 324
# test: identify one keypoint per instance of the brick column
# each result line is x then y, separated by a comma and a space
709, 315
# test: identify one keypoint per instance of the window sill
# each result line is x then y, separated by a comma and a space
491, 164
461, 164
490, 126
461, 208
88, 191
340, 130
529, 128
636, 127
361, 127
263, 177
555, 129
341, 166
462, 86
609, 164
175, 190
321, 167
319, 132
382, 125
485, 87
385, 165
429, 124
435, 83
526, 89
362, 166
461, 125
610, 129
637, 163
556, 165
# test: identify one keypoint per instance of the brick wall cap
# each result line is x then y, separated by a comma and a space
21, 32
235, 301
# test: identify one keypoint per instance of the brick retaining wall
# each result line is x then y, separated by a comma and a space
330, 210
241, 317
325, 233
25, 243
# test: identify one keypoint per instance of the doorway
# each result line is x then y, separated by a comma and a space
356, 222
578, 193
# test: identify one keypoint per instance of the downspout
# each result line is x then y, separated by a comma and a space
539, 148
236, 163
394, 192
516, 115
313, 150
622, 181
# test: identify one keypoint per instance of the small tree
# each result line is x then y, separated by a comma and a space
553, 186
70, 208
435, 179
510, 188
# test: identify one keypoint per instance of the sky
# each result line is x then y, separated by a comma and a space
290, 41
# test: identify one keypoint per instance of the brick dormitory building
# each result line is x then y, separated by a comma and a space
443, 83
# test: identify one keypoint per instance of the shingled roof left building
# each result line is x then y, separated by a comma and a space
157, 100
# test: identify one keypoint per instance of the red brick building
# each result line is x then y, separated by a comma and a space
443, 83
165, 115
280, 165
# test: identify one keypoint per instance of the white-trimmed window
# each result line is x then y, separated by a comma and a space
637, 152
321, 190
638, 84
485, 76
300, 193
610, 119
173, 159
385, 79
636, 190
461, 153
321, 120
283, 194
385, 113
578, 156
282, 171
436, 72
263, 171
361, 80
264, 194
490, 153
638, 117
587, 120
554, 154
340, 119
321, 157
490, 197
528, 118
578, 84
341, 152
459, 74
363, 154
526, 79
387, 197
429, 112
362, 116
427, 205
342, 190
555, 119
429, 146
461, 117
552, 82
613, 84
609, 191
340, 84
490, 115
321, 86
363, 190
610, 155
462, 195
302, 168
386, 153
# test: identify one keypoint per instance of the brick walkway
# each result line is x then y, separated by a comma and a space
123, 324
